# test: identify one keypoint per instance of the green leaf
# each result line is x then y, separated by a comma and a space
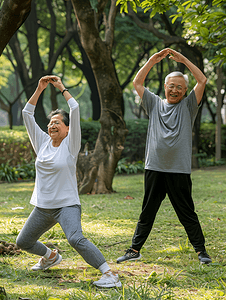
174, 18
216, 2
204, 31
134, 7
137, 2
185, 3
223, 51
124, 8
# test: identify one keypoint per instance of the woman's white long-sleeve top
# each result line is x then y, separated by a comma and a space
55, 182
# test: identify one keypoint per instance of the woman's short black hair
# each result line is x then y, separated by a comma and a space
61, 112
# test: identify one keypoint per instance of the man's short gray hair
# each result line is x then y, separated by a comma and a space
175, 74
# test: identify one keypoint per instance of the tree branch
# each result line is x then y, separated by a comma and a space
110, 26
61, 47
136, 65
12, 15
167, 39
52, 29
3, 106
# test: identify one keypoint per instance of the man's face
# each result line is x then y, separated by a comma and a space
175, 89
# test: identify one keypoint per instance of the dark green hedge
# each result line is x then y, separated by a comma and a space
207, 139
135, 141
136, 138
15, 147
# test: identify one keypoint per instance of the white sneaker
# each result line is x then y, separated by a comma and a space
45, 263
108, 280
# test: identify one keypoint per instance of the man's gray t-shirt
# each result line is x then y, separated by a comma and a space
169, 135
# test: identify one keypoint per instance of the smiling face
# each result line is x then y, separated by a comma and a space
57, 130
175, 89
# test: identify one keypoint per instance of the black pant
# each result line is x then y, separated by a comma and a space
178, 187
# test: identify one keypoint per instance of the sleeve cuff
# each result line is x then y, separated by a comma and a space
29, 107
72, 103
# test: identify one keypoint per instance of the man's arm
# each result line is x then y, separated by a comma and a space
142, 73
197, 73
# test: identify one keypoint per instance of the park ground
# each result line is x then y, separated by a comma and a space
168, 269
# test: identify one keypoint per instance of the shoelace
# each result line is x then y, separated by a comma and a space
44, 261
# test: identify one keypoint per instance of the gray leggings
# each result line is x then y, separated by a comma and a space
69, 218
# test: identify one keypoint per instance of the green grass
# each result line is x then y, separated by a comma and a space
169, 268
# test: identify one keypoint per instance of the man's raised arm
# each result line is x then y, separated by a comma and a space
142, 73
197, 73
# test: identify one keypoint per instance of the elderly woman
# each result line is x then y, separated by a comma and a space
55, 195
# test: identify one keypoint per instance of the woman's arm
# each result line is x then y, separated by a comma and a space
74, 126
36, 135
42, 84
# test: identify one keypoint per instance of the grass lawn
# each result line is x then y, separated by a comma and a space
168, 269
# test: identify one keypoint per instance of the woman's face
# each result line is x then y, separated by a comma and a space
57, 130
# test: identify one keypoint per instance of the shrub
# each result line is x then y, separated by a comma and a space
7, 173
135, 141
16, 148
207, 139
90, 132
13, 173
125, 167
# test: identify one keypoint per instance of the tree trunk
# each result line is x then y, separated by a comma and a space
88, 73
218, 114
53, 97
96, 170
13, 13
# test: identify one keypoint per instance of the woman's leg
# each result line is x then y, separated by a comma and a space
70, 220
37, 223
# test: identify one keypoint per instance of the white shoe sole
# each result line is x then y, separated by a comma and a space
50, 266
110, 285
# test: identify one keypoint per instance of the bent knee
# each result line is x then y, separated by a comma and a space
22, 244
76, 240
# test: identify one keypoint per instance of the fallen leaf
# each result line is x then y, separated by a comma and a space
128, 197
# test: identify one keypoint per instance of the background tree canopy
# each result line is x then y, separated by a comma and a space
97, 47
204, 20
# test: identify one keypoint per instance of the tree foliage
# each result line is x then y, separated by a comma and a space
205, 21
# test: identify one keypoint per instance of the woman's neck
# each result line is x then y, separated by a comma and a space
56, 143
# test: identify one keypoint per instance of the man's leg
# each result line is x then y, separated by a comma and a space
154, 194
179, 189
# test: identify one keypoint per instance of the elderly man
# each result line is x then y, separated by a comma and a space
168, 152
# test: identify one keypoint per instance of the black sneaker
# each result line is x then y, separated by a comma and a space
204, 257
129, 255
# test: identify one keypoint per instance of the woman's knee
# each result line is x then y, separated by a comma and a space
76, 240
23, 243
20, 242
